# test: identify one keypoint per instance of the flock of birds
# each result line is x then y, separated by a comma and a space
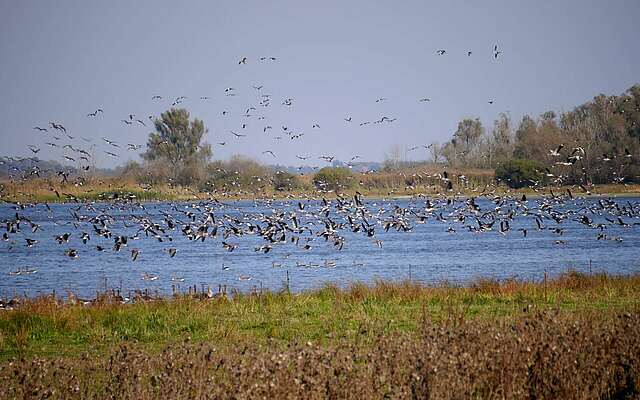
83, 152
294, 227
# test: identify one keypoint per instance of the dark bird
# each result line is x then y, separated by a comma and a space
71, 253
441, 52
243, 60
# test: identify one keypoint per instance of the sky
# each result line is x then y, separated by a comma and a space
62, 60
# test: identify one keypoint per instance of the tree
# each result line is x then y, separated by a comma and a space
466, 141
330, 178
519, 173
178, 141
435, 150
501, 141
395, 158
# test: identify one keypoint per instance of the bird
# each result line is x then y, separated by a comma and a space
243, 60
71, 253
269, 152
441, 52
496, 52
229, 246
237, 134
556, 152
134, 254
40, 129
95, 113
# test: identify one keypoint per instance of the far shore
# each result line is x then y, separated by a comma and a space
129, 191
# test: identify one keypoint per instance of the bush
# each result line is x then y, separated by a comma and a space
285, 181
330, 178
519, 173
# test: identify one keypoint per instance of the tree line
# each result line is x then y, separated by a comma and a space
597, 142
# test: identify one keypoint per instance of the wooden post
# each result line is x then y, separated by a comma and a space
288, 288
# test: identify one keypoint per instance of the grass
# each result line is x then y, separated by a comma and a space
378, 185
45, 327
573, 337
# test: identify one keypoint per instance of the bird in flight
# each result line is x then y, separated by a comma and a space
270, 152
348, 119
267, 58
441, 52
424, 99
40, 129
243, 60
95, 113
237, 134
496, 52
556, 152
156, 97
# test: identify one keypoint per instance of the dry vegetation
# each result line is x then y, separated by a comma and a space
576, 336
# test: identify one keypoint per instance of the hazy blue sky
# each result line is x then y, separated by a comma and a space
64, 59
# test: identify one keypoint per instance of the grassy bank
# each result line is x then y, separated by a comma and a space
110, 189
573, 337
47, 327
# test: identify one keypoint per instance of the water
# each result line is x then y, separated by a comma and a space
428, 253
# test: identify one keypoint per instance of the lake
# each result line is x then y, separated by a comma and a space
443, 242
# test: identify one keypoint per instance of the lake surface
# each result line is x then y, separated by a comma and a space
445, 243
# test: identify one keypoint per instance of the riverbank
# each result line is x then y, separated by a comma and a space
576, 336
112, 189
47, 327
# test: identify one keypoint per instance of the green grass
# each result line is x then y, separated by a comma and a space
45, 327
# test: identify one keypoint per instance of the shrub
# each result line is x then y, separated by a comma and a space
285, 181
519, 173
330, 178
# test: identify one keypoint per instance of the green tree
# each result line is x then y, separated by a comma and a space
330, 178
519, 173
177, 140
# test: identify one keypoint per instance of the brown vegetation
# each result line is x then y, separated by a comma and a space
541, 355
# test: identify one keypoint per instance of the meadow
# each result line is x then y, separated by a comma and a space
576, 336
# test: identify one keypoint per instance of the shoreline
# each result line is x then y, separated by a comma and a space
136, 194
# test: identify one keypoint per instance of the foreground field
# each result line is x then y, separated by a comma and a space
574, 337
